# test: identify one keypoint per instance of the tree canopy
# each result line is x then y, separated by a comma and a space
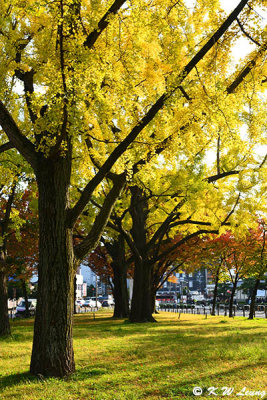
93, 92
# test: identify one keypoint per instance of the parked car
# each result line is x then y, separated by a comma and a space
92, 303
21, 308
86, 303
79, 303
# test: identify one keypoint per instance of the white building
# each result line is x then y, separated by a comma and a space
81, 287
88, 275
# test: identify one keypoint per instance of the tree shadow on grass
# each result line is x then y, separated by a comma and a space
121, 328
26, 377
186, 387
16, 379
85, 373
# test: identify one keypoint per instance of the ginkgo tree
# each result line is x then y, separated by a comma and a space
110, 79
257, 258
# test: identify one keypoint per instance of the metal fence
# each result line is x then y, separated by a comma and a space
79, 310
221, 309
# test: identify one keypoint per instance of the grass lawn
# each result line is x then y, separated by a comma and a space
164, 360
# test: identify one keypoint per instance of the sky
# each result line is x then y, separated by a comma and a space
243, 45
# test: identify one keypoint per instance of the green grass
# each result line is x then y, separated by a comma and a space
122, 361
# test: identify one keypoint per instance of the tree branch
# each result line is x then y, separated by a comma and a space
182, 241
246, 34
101, 220
216, 177
6, 146
148, 117
130, 243
246, 70
103, 23
22, 144
170, 273
159, 234
190, 221
27, 79
263, 161
232, 211
6, 220
197, 233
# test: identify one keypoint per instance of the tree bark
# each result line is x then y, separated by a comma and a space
120, 291
253, 299
52, 352
213, 311
116, 250
4, 320
141, 310
141, 307
231, 303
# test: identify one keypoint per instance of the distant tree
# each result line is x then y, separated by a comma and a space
257, 245
90, 291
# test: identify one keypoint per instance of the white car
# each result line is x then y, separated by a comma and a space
92, 303
21, 307
79, 303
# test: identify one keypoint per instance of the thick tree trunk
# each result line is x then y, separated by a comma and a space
213, 311
120, 291
116, 250
253, 299
52, 352
4, 320
231, 303
141, 307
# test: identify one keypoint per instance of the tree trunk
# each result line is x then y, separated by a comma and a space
231, 303
213, 311
4, 320
253, 299
116, 250
141, 307
52, 352
120, 291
